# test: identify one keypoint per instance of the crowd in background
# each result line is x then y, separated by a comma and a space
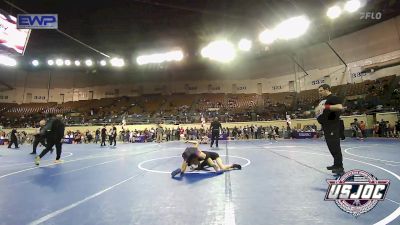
161, 134
367, 97
380, 129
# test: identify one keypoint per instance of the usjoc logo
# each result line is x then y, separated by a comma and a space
37, 21
357, 191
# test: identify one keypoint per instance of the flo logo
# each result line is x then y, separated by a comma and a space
357, 191
370, 15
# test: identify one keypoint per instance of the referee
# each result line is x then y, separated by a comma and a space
215, 128
328, 115
54, 133
13, 138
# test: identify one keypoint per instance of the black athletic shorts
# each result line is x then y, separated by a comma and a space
211, 155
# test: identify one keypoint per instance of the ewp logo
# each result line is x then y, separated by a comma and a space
37, 21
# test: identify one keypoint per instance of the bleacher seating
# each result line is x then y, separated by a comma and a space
147, 108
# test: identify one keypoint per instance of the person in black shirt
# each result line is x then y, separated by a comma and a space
215, 128
113, 136
13, 138
54, 133
97, 137
328, 115
103, 136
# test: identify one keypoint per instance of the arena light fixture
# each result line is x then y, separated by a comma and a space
334, 12
67, 62
59, 62
173, 56
103, 62
50, 62
176, 55
7, 61
221, 51
77, 63
141, 60
35, 62
292, 28
117, 62
245, 44
89, 62
267, 37
148, 59
352, 5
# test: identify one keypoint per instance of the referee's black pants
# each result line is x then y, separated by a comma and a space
113, 139
214, 136
103, 141
50, 143
13, 141
36, 141
332, 138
